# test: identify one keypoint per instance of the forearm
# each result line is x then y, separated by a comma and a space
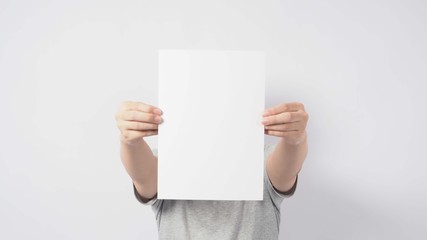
290, 158
139, 161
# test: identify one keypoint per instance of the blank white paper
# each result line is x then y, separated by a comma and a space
211, 141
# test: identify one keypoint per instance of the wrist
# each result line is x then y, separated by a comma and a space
131, 143
300, 140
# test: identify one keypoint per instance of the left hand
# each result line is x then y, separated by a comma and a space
286, 120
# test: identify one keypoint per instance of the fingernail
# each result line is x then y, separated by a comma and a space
158, 119
158, 111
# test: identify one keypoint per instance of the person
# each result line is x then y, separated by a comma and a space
211, 219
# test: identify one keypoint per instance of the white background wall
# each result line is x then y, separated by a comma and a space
358, 66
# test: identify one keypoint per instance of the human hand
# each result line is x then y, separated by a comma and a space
136, 120
286, 120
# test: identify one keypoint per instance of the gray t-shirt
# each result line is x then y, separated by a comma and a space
210, 219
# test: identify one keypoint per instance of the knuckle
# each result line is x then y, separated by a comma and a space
133, 116
120, 125
288, 116
125, 134
285, 106
142, 126
274, 119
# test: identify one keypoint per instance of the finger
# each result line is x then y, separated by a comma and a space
140, 116
140, 106
281, 134
285, 117
135, 125
130, 135
294, 126
284, 107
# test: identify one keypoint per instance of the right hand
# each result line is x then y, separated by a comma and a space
137, 120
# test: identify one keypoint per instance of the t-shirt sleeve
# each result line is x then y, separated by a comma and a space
276, 195
146, 201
